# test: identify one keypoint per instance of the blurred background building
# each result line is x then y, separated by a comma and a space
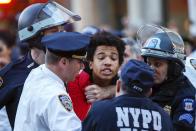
126, 15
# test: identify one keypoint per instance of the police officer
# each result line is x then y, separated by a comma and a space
90, 30
6, 49
131, 109
132, 49
163, 50
34, 22
44, 104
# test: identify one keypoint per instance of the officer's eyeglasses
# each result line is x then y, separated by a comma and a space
80, 61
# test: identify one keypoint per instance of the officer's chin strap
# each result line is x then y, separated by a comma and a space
66, 88
43, 48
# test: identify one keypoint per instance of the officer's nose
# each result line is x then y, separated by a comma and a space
82, 66
152, 67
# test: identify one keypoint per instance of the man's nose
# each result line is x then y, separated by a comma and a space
107, 61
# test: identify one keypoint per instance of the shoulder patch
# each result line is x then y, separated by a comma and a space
186, 117
1, 81
66, 102
188, 104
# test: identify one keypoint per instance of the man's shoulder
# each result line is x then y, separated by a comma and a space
43, 85
20, 67
103, 105
15, 73
141, 103
11, 66
39, 77
105, 102
159, 109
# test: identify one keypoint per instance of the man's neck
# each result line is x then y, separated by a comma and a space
55, 70
101, 82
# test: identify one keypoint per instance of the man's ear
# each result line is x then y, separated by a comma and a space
118, 84
91, 65
149, 93
64, 60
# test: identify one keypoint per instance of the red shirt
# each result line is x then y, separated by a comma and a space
76, 90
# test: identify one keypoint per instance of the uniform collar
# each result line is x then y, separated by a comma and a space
134, 94
51, 74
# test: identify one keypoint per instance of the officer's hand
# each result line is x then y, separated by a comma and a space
94, 93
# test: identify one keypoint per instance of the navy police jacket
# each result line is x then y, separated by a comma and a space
126, 113
178, 99
12, 78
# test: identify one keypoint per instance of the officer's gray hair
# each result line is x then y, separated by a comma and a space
134, 46
51, 58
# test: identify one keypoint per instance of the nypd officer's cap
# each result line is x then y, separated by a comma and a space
67, 44
137, 76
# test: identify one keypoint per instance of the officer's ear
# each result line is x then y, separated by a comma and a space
91, 65
118, 86
148, 93
64, 60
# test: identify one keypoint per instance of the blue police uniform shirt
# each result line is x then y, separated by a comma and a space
178, 99
12, 78
126, 113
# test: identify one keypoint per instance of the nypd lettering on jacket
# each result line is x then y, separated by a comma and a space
125, 114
